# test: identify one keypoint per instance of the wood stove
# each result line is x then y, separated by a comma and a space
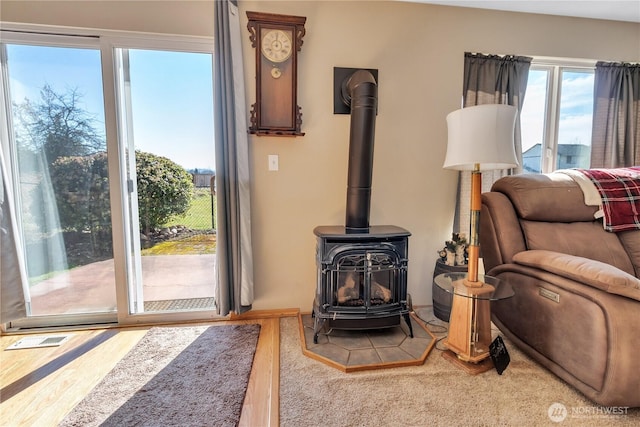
362, 270
362, 278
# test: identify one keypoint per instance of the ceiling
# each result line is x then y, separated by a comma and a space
616, 10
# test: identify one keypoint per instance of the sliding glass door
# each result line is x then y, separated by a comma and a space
109, 145
167, 111
59, 161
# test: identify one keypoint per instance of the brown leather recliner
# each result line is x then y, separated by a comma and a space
576, 308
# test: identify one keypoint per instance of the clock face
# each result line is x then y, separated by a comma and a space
276, 45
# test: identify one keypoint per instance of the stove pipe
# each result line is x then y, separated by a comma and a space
360, 91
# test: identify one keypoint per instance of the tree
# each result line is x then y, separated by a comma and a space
57, 126
76, 162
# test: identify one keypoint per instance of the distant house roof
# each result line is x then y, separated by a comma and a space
563, 149
201, 171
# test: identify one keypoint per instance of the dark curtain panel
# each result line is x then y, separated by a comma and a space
490, 79
234, 250
615, 136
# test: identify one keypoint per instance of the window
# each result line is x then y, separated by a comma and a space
556, 116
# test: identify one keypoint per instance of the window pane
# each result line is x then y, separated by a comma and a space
63, 192
172, 103
532, 121
172, 129
574, 128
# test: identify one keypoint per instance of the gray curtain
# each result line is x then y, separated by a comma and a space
234, 251
12, 281
615, 137
490, 79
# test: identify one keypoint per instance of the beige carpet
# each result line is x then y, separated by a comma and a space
434, 394
175, 376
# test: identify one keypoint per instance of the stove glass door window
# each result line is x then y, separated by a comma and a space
365, 279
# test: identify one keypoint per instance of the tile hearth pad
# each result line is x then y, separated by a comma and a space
358, 350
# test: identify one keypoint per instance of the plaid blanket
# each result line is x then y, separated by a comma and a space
620, 192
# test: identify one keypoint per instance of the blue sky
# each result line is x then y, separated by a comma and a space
171, 95
576, 108
173, 106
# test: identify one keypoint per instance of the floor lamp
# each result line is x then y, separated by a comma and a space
479, 138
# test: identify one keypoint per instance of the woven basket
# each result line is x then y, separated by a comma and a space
441, 298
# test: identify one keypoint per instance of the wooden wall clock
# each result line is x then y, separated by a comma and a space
277, 40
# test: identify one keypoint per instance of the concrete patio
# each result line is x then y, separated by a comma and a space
91, 288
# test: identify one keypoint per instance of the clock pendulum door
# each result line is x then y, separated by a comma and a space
277, 109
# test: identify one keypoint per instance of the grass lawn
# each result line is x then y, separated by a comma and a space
201, 244
198, 217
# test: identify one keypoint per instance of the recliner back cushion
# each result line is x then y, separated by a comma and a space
539, 197
585, 239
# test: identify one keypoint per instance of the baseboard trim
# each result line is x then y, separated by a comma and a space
265, 314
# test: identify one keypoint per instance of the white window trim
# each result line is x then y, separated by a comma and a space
132, 39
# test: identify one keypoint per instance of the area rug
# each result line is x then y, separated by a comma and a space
434, 394
175, 376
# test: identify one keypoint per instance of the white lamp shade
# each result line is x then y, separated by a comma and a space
483, 135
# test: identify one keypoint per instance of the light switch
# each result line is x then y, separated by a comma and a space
273, 162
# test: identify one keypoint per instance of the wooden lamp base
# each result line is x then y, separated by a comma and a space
469, 368
469, 335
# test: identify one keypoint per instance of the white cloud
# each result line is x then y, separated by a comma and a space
577, 93
533, 111
576, 108
575, 130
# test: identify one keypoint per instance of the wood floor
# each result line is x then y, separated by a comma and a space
38, 387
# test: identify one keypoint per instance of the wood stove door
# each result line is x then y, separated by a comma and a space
366, 279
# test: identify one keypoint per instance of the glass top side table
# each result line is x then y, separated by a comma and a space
469, 334
453, 283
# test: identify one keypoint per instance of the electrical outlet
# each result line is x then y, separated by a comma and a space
273, 162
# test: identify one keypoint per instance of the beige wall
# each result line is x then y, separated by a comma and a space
418, 50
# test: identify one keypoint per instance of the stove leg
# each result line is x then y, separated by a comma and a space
317, 325
407, 318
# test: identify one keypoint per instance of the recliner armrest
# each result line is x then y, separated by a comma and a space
500, 232
593, 273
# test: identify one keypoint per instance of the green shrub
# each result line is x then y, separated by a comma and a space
81, 187
164, 190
